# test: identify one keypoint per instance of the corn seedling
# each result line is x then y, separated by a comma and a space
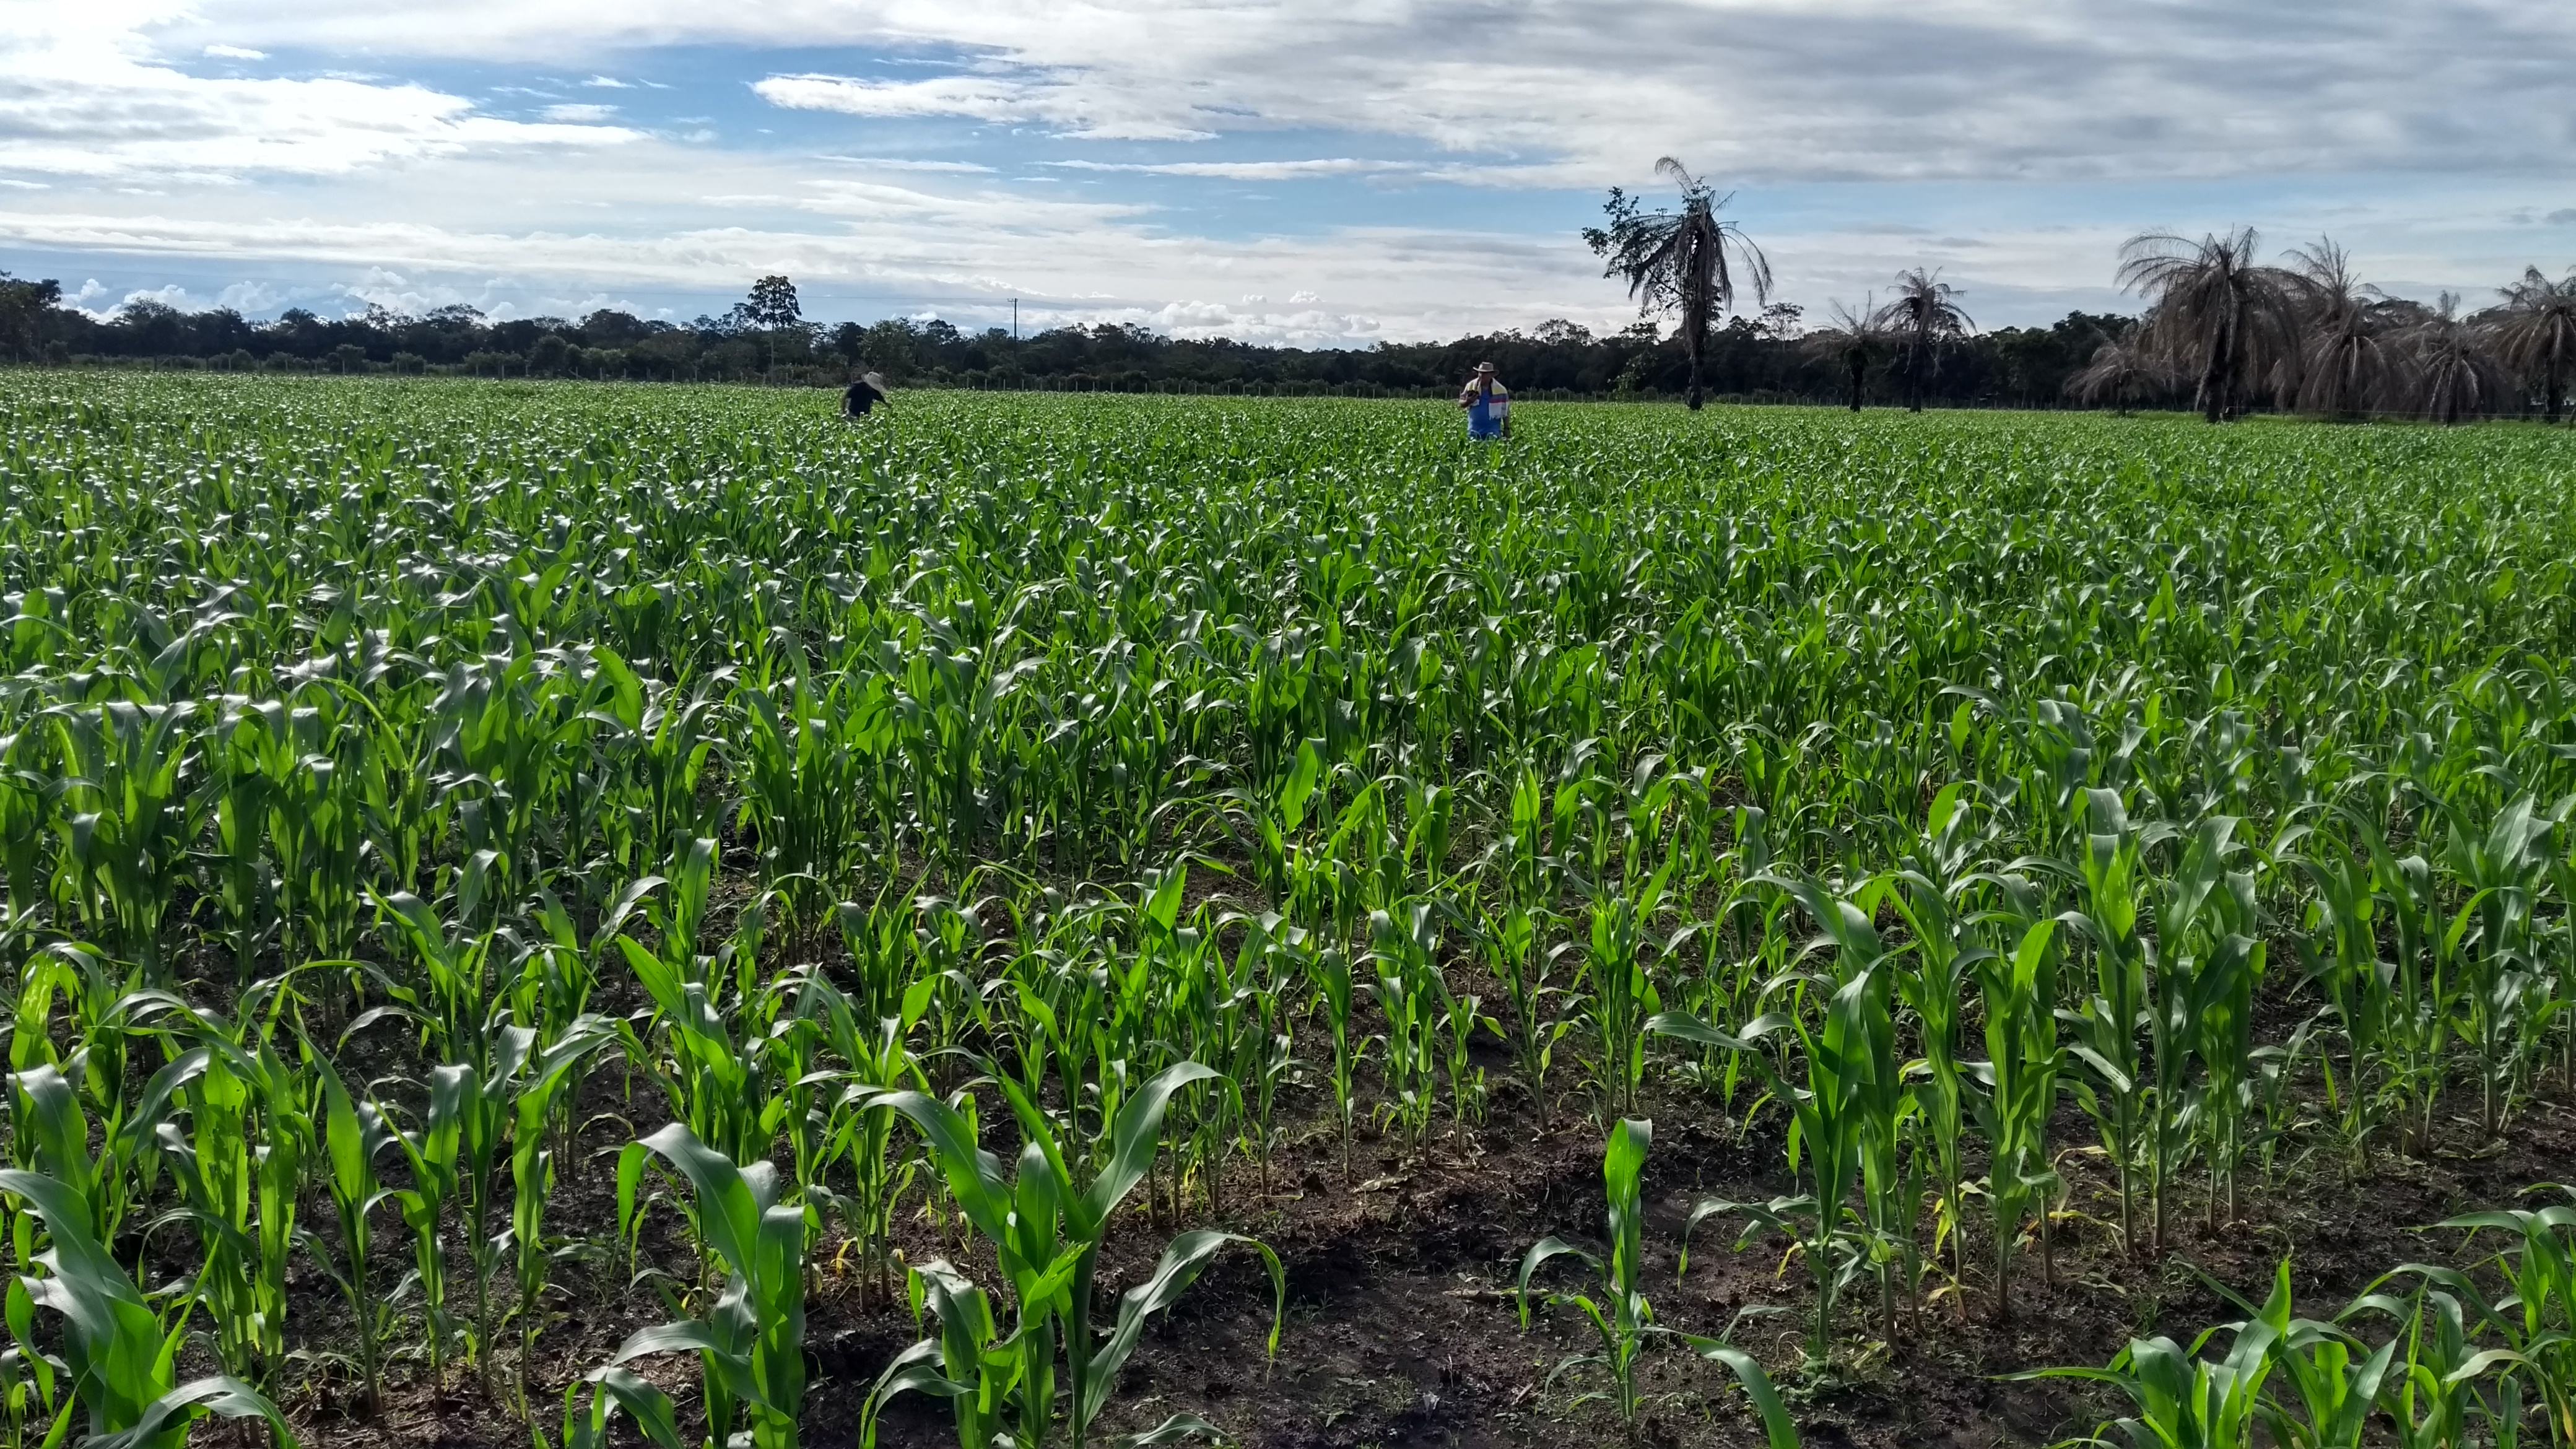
1047, 1229
1627, 1325
118, 1354
750, 1340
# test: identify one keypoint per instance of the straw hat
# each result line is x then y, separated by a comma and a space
873, 380
1484, 367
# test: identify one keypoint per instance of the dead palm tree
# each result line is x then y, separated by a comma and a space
1680, 259
2212, 308
2347, 359
2121, 368
2535, 333
1851, 342
2456, 376
1923, 317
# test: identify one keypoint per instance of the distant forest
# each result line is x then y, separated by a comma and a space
1765, 357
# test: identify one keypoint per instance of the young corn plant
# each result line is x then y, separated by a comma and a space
1844, 1056
479, 1120
1046, 1228
1407, 986
1933, 983
2355, 981
2222, 958
2182, 1398
452, 997
856, 1128
239, 1166
1328, 968
2020, 1080
1510, 944
696, 1044
531, 1092
750, 1341
1623, 992
117, 1355
1624, 1321
2532, 1323
125, 822
2108, 1019
2503, 869
354, 1136
1265, 965
432, 1152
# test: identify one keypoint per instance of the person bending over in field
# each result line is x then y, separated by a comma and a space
867, 392
1488, 404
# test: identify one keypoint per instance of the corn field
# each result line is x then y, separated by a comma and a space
488, 862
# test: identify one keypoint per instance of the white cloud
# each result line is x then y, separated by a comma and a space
249, 298
899, 163
171, 295
966, 252
234, 52
1243, 170
1082, 110
580, 115
1307, 328
1751, 89
576, 309
81, 96
608, 83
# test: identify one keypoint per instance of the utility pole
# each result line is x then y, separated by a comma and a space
1015, 320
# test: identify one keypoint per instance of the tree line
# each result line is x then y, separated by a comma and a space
1764, 356
2223, 330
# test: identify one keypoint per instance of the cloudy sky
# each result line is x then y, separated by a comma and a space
1324, 171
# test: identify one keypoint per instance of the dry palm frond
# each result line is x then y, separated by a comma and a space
1687, 260
1851, 341
2119, 372
2535, 333
1924, 317
2213, 309
2456, 376
2348, 359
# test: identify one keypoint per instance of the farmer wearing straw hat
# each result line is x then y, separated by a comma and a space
867, 392
1488, 404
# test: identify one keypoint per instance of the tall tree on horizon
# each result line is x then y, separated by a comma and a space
772, 308
2535, 332
2347, 359
23, 305
2456, 376
1687, 259
1924, 317
2212, 305
2120, 368
1851, 342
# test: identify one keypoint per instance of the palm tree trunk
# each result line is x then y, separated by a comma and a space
1694, 375
2213, 377
2556, 394
1855, 370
